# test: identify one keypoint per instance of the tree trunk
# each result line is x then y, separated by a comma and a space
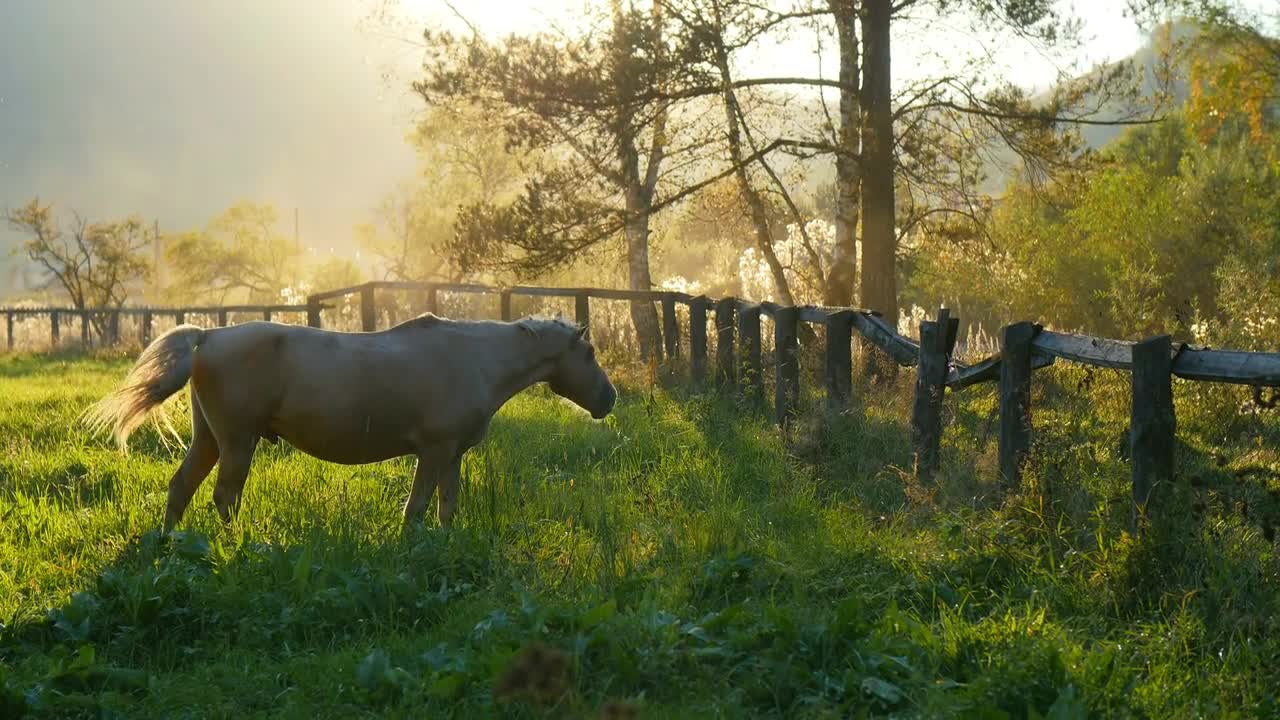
879, 238
842, 279
759, 216
638, 190
643, 314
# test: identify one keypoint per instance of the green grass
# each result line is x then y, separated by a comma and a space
680, 558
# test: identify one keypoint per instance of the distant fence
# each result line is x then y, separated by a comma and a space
739, 360
103, 326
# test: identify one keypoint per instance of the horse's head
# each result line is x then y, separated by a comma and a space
577, 377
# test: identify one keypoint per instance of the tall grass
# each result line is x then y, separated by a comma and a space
679, 559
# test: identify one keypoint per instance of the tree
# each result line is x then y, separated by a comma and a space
462, 160
716, 29
409, 234
95, 264
580, 105
925, 142
240, 254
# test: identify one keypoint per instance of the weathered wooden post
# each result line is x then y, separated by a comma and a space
504, 305
180, 317
582, 309
55, 329
725, 371
931, 379
1153, 423
670, 326
433, 300
146, 327
8, 322
266, 314
839, 360
84, 328
113, 328
1015, 401
698, 337
313, 312
368, 308
749, 344
786, 343
222, 317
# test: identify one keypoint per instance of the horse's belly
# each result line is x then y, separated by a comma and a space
345, 448
345, 433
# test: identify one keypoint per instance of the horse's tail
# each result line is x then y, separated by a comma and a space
162, 370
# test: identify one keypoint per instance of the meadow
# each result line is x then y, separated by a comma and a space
680, 559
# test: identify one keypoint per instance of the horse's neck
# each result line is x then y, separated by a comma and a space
524, 360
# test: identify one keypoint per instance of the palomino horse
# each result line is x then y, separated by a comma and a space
427, 387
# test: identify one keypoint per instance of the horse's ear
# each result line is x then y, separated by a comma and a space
582, 332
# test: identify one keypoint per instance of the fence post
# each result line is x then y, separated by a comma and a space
725, 371
1015, 401
368, 309
582, 310
222, 317
146, 328
839, 365
504, 304
749, 344
433, 300
113, 328
931, 379
670, 326
8, 322
786, 343
54, 327
180, 317
1153, 422
698, 337
84, 328
266, 315
313, 312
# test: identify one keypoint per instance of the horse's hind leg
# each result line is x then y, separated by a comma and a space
424, 486
200, 458
448, 482
233, 470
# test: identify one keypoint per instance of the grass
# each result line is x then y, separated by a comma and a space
680, 559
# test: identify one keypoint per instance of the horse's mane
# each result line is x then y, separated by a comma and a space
537, 325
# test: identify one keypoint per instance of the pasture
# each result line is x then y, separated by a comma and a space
679, 559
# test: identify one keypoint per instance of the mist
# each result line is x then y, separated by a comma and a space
176, 111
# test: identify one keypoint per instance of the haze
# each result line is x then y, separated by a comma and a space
177, 110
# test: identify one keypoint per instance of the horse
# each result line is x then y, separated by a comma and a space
427, 387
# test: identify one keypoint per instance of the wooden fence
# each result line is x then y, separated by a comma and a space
1025, 347
107, 320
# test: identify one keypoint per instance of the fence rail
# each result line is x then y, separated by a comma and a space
1025, 347
108, 318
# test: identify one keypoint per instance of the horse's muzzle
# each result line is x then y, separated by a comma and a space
604, 404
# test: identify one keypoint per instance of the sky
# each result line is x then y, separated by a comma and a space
177, 110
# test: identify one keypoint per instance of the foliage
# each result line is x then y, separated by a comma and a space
806, 259
680, 559
579, 104
242, 256
96, 264
1162, 233
463, 160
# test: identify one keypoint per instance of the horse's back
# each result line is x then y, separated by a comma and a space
346, 397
